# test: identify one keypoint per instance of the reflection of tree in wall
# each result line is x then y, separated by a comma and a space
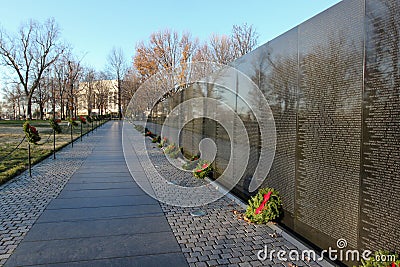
276, 73
278, 85
329, 119
382, 48
258, 65
276, 77
329, 79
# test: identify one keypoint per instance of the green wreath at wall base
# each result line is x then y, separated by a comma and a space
264, 207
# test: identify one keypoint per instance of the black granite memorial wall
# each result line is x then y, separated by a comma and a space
333, 85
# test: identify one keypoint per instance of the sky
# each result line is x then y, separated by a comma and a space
93, 27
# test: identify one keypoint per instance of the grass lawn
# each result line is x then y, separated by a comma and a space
11, 134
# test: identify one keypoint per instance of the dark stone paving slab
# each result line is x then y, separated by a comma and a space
167, 260
97, 228
102, 193
103, 170
77, 203
24, 198
53, 251
93, 185
108, 179
100, 213
101, 175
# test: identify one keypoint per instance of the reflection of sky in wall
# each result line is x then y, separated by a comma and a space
224, 87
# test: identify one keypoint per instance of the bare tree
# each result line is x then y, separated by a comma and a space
101, 93
165, 50
224, 49
221, 49
60, 72
203, 53
130, 85
244, 39
29, 53
73, 76
118, 67
15, 100
87, 90
42, 94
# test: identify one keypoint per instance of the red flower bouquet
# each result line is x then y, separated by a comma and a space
31, 133
82, 119
202, 170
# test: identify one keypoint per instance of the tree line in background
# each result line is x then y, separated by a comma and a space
47, 74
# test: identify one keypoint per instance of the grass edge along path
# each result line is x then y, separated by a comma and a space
9, 173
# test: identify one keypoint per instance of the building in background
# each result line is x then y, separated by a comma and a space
97, 98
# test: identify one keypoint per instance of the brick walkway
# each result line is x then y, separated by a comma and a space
86, 210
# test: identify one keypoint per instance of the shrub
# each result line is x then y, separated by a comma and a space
82, 119
202, 170
72, 121
192, 163
163, 142
264, 207
31, 133
54, 124
89, 119
174, 154
170, 148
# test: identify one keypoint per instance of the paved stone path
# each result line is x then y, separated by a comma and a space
92, 213
23, 199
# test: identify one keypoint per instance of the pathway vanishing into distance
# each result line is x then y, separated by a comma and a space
100, 218
85, 209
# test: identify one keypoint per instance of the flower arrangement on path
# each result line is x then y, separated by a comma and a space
72, 121
172, 151
265, 206
82, 119
192, 163
31, 133
156, 139
55, 125
202, 170
163, 142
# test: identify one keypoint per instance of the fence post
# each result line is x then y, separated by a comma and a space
29, 159
54, 144
72, 142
